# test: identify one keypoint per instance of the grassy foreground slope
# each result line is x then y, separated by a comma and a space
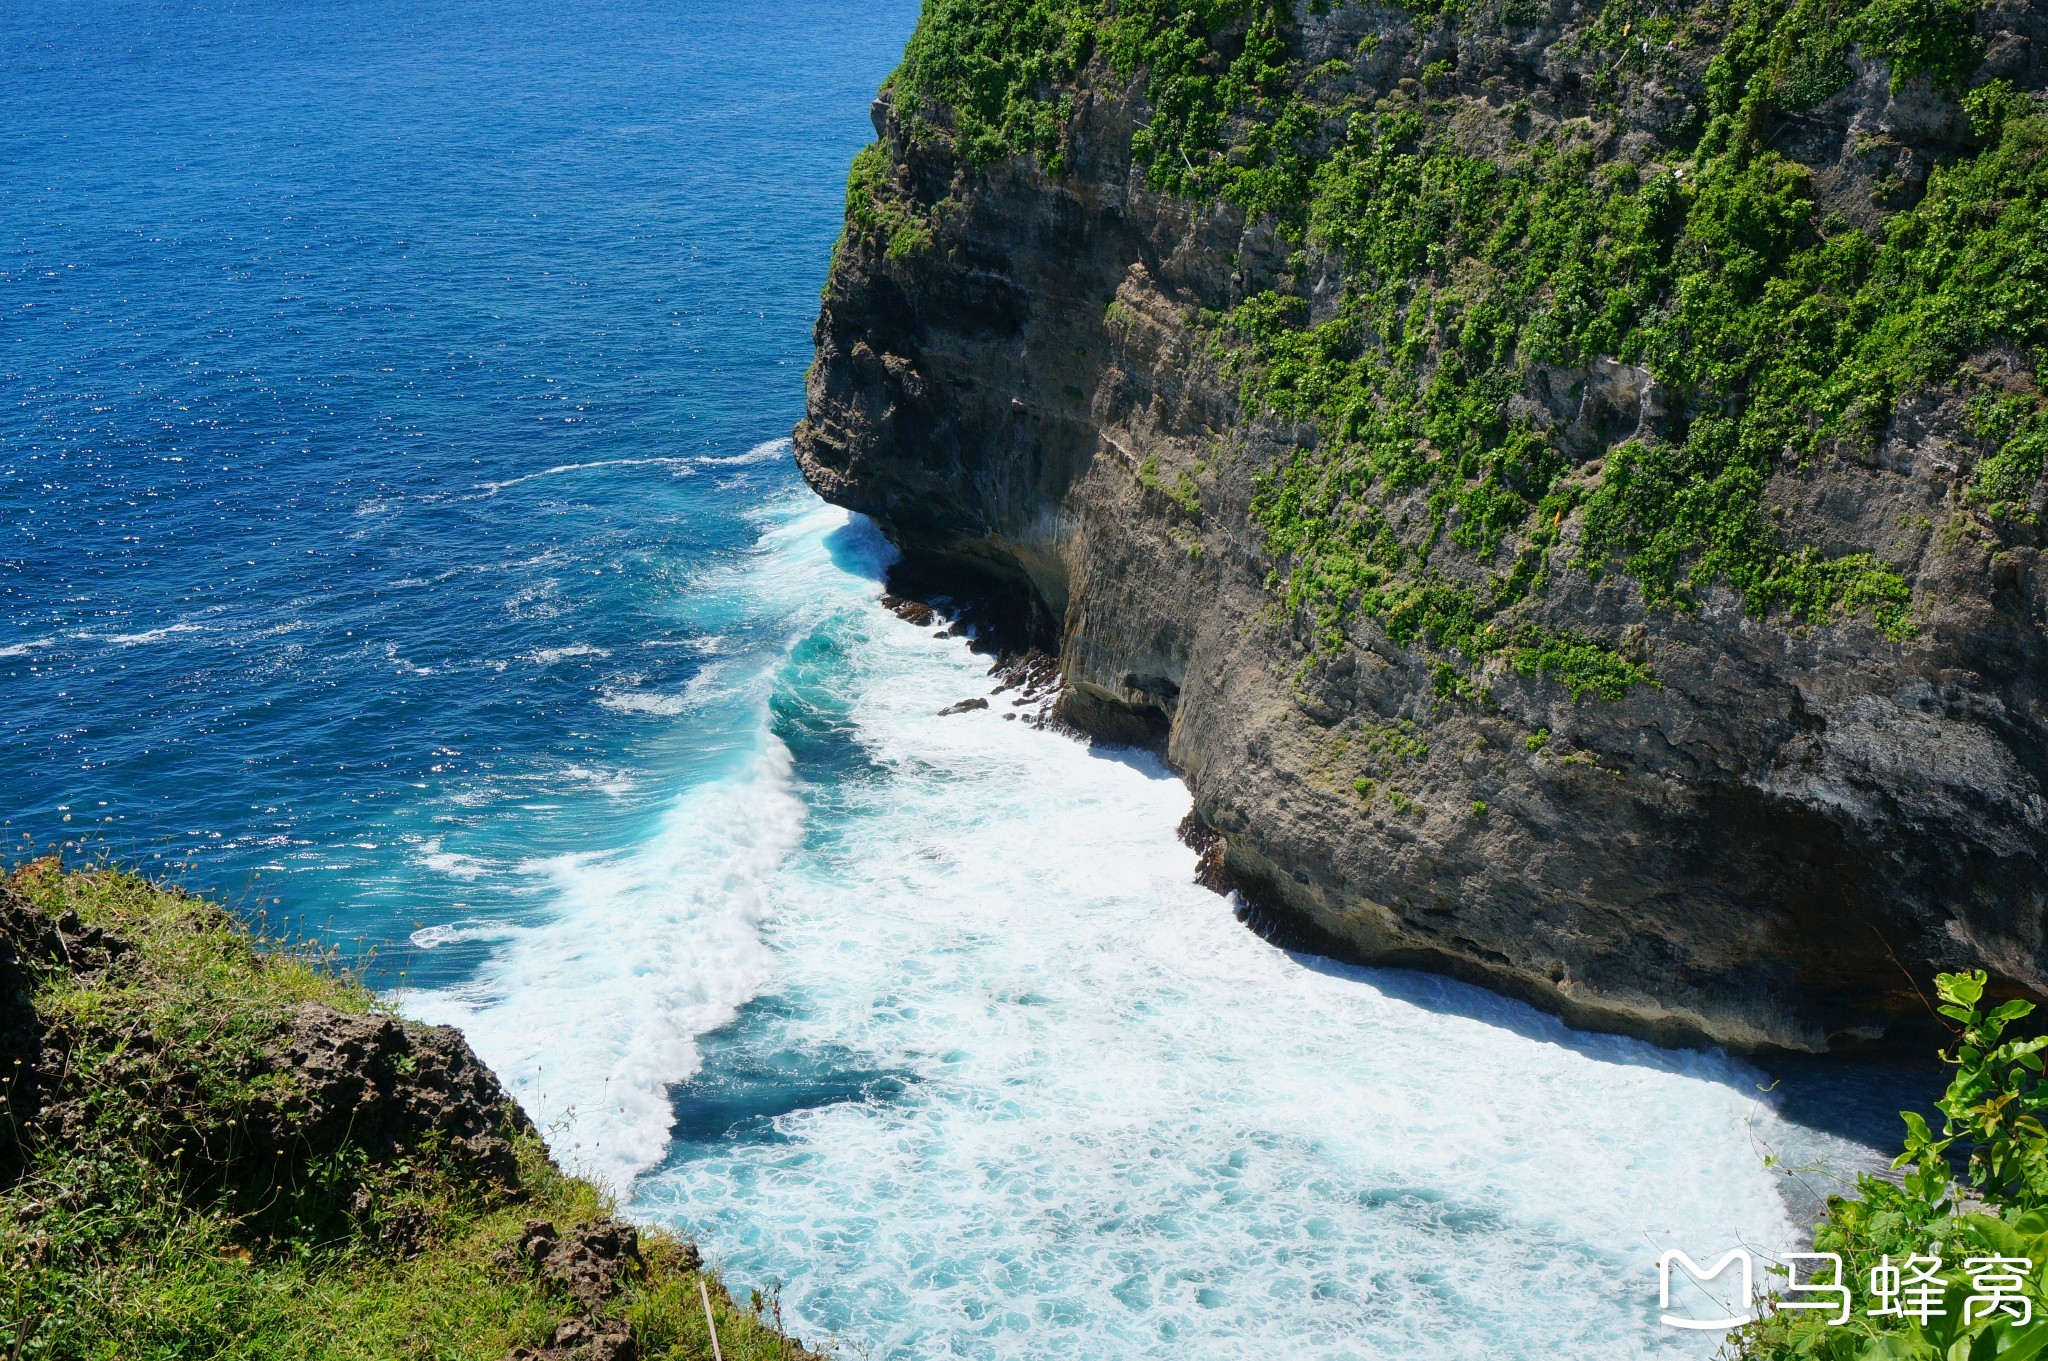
210, 1147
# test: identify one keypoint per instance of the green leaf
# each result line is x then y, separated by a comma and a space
2011, 1011
1966, 989
2033, 1223
2027, 1343
1997, 1235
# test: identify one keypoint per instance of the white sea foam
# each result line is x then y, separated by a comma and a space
616, 783
767, 451
707, 645
1016, 1087
548, 656
452, 863
680, 465
25, 649
142, 638
643, 702
469, 929
404, 666
593, 1016
717, 680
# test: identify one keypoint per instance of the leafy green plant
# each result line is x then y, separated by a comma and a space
2016, 427
1182, 490
873, 207
1992, 1111
1781, 339
1930, 38
1994, 1102
987, 71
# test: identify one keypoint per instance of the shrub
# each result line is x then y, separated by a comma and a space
1993, 1112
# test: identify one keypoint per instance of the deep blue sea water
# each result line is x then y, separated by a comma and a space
400, 541
372, 376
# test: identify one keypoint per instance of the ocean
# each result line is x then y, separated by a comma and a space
402, 543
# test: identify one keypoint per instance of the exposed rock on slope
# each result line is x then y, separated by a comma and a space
322, 1080
1683, 678
207, 1149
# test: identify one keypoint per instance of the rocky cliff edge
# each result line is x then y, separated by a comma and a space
1565, 636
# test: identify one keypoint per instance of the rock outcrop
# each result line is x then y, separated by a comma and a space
329, 1079
300, 1171
29, 944
1771, 842
388, 1086
590, 1265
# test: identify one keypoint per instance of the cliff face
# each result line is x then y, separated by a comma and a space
1627, 773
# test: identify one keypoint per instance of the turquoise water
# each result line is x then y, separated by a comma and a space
402, 542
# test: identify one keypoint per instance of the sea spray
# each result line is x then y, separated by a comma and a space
593, 1012
1009, 1084
592, 1015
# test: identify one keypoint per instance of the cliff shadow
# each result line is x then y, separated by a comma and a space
1855, 1098
859, 549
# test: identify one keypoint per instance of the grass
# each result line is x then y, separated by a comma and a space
141, 1234
873, 206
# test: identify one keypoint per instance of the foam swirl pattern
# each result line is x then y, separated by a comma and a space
1015, 1086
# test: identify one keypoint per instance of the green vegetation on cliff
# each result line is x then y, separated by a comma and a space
1494, 258
1930, 1223
870, 207
212, 1148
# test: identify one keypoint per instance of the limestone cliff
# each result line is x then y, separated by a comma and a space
1738, 744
